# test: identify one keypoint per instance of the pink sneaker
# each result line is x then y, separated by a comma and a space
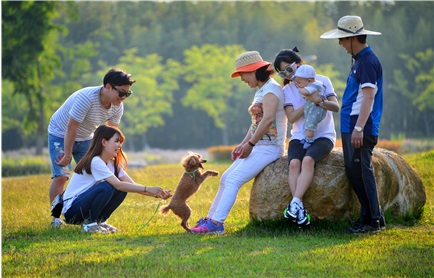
208, 227
200, 222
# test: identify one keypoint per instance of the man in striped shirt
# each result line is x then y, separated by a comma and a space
71, 127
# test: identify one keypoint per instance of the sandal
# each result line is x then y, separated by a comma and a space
94, 228
109, 227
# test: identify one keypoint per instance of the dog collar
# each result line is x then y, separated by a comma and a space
192, 174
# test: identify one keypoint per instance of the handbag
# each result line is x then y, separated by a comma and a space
57, 206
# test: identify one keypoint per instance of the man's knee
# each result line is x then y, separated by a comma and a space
59, 181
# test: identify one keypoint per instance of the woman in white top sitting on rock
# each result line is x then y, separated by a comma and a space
301, 160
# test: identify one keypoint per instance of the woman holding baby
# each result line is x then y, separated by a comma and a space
302, 160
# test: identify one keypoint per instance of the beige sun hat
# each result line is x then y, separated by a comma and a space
348, 26
247, 62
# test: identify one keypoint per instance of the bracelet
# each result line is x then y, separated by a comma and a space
251, 144
145, 188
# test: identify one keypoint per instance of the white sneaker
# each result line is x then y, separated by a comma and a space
303, 218
291, 211
56, 223
94, 228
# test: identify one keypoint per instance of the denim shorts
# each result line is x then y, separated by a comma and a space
56, 149
318, 150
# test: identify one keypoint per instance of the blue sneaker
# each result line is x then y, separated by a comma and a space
291, 212
208, 227
199, 223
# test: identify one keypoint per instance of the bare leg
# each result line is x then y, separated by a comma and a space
57, 186
305, 178
294, 173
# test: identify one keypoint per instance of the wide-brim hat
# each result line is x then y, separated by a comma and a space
247, 62
348, 26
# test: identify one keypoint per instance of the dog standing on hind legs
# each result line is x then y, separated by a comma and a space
187, 186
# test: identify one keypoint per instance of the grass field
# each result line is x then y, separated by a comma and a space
163, 249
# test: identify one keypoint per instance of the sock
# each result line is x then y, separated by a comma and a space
297, 201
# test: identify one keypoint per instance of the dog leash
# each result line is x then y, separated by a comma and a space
155, 212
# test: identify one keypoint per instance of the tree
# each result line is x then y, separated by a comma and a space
416, 82
208, 69
152, 93
29, 64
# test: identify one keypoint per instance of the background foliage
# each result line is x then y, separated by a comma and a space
182, 55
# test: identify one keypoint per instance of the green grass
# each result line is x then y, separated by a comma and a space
163, 249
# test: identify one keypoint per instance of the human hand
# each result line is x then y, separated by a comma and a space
166, 194
236, 152
246, 150
313, 97
357, 139
158, 192
63, 160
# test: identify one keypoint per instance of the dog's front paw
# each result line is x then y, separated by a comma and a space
214, 173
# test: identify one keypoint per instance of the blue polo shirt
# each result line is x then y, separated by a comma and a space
366, 72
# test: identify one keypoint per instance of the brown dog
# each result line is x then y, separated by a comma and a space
187, 186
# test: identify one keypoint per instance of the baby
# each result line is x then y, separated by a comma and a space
304, 79
256, 112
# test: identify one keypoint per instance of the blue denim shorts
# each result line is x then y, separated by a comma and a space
56, 149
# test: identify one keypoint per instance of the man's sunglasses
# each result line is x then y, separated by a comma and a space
287, 71
122, 94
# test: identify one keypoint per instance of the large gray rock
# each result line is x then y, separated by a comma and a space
330, 195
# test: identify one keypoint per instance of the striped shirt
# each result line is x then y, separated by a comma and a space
85, 107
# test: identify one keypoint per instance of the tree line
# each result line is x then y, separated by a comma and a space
182, 55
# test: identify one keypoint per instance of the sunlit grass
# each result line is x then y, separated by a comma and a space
163, 249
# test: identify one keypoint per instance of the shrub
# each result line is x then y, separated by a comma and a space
221, 153
25, 166
394, 146
417, 146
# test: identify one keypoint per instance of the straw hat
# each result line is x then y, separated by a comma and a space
348, 26
247, 62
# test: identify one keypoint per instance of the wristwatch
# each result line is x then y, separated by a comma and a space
321, 103
358, 128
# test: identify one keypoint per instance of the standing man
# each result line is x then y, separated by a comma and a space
362, 106
72, 126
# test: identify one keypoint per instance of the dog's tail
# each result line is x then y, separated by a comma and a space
165, 210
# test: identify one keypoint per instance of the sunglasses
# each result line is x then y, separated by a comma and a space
122, 94
287, 71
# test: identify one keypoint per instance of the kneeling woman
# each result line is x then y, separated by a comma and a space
100, 184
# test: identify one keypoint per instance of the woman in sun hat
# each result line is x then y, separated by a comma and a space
301, 160
263, 144
362, 106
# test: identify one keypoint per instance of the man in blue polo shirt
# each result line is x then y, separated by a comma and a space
362, 106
